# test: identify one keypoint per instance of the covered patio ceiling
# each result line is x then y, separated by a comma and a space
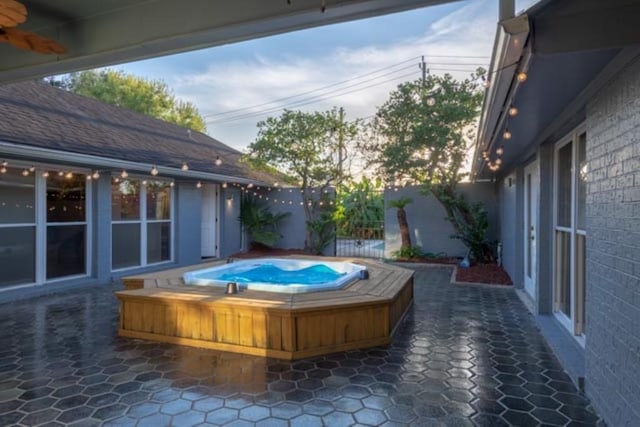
100, 33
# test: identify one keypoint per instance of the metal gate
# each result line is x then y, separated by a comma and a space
365, 240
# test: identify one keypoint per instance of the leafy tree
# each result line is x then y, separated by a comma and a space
424, 128
306, 147
150, 97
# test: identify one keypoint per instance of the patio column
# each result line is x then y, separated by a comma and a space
544, 300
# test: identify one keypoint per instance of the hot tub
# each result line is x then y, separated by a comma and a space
289, 276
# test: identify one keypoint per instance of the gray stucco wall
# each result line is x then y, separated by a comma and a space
427, 219
187, 223
613, 250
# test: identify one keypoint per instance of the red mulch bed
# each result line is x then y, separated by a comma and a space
484, 273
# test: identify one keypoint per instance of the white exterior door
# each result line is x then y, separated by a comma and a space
209, 234
531, 185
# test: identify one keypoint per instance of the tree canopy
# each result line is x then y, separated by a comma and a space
150, 97
423, 130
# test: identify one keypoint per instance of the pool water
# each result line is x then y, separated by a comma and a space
278, 275
270, 273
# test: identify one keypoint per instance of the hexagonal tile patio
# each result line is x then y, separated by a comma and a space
464, 355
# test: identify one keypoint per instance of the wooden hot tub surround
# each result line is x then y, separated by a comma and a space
160, 307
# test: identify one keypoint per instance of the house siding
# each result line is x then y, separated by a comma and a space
613, 250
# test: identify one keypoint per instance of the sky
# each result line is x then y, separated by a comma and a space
353, 65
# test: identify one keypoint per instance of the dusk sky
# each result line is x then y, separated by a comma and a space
352, 65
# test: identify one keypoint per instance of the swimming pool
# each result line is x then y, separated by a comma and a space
278, 275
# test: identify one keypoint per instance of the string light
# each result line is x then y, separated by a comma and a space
506, 134
513, 111
199, 185
69, 175
154, 170
144, 182
224, 185
522, 77
185, 166
61, 173
3, 169
96, 175
218, 161
32, 169
500, 150
5, 163
25, 172
124, 174
250, 185
45, 174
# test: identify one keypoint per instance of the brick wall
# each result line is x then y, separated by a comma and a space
613, 250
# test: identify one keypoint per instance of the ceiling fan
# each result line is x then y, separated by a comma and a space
14, 13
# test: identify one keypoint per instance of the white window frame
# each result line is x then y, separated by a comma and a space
41, 224
569, 322
142, 222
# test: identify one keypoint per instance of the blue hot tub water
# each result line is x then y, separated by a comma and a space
269, 273
278, 275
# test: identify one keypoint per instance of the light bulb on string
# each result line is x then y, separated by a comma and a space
513, 111
224, 185
218, 161
96, 175
522, 77
199, 185
185, 166
500, 150
25, 172
32, 169
154, 170
124, 174
45, 174
506, 134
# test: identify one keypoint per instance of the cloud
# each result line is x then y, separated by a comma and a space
256, 80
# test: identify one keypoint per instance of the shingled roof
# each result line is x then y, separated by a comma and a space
39, 115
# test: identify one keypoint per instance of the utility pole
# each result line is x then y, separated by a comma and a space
423, 67
341, 144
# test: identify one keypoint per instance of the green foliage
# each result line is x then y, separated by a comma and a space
408, 253
400, 203
423, 129
360, 207
471, 224
306, 147
150, 97
259, 222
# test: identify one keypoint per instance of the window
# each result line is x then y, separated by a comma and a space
141, 213
17, 227
43, 225
66, 225
570, 234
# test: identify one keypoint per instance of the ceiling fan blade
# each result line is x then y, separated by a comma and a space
12, 13
30, 41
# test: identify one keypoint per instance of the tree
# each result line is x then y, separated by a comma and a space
307, 147
403, 224
424, 128
360, 208
150, 97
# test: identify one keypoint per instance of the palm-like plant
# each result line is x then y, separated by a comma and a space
259, 222
403, 224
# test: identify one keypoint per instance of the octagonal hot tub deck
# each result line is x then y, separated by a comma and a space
160, 307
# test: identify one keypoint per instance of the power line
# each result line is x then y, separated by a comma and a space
306, 102
237, 110
313, 90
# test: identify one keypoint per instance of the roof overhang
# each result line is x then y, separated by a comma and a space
564, 70
100, 33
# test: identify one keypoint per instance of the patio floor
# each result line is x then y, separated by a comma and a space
465, 355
